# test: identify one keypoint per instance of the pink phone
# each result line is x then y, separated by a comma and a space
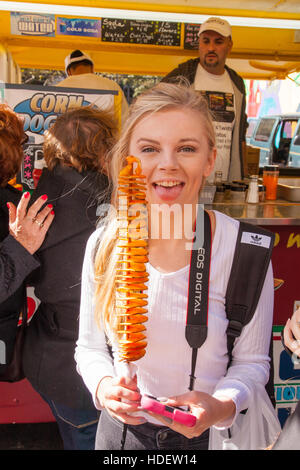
176, 414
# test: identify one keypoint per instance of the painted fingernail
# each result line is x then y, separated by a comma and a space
52, 212
44, 197
26, 195
50, 206
8, 205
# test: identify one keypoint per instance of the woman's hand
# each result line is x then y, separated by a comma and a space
207, 409
121, 397
29, 228
291, 333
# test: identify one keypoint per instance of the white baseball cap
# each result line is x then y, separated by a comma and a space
216, 24
76, 56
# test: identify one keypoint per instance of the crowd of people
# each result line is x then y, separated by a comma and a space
54, 241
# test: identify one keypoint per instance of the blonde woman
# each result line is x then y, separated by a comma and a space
170, 130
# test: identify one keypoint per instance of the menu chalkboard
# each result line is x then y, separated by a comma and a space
191, 36
158, 33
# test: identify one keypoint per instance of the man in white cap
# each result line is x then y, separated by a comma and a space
80, 70
225, 92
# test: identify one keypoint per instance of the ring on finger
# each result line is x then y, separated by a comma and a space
37, 222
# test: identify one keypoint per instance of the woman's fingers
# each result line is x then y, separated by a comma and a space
125, 390
35, 209
121, 398
42, 217
126, 382
128, 418
188, 432
124, 409
48, 219
287, 334
12, 213
291, 337
121, 406
295, 324
20, 213
118, 389
29, 228
186, 399
291, 330
22, 206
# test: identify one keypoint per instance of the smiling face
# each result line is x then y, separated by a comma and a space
213, 51
175, 156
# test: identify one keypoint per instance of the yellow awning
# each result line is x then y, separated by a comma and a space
258, 52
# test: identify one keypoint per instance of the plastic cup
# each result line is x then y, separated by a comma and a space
270, 181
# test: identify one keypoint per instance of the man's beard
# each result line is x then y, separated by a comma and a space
211, 64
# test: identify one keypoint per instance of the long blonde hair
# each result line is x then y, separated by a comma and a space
161, 97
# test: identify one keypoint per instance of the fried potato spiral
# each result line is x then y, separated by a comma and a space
131, 276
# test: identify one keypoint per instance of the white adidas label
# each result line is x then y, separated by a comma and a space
256, 239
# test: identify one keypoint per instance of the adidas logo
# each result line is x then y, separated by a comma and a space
256, 239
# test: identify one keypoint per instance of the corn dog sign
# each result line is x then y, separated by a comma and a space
39, 106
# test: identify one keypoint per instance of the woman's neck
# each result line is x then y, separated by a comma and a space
171, 253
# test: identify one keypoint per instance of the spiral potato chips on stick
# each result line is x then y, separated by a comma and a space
131, 276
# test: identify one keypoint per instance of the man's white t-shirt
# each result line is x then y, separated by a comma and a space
218, 91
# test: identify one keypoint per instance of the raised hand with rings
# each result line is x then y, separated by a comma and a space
29, 227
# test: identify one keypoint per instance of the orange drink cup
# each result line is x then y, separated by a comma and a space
270, 181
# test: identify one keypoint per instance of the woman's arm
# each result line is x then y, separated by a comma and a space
92, 356
91, 353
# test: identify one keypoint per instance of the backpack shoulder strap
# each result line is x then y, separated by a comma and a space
250, 264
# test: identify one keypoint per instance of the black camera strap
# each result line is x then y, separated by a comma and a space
251, 260
197, 308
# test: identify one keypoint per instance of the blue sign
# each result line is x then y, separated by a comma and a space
78, 27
